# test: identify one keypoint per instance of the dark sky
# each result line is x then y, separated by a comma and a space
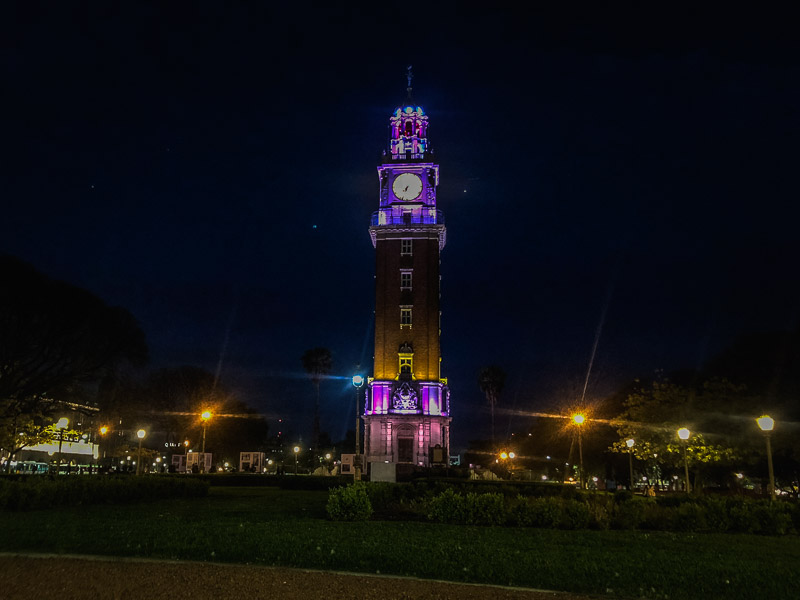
211, 168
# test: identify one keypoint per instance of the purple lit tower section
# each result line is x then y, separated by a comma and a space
407, 413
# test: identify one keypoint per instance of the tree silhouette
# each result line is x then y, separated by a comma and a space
491, 380
57, 342
317, 363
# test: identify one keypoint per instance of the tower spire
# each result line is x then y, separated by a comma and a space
409, 77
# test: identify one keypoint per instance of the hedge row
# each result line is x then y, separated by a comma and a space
603, 511
37, 492
570, 511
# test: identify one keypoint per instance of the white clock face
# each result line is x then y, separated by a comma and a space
407, 186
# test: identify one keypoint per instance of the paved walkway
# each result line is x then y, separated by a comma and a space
59, 577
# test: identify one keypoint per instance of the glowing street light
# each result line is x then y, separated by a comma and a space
296, 451
684, 434
358, 381
767, 424
140, 434
629, 443
579, 420
103, 430
205, 416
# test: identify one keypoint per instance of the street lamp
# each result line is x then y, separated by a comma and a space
140, 434
684, 434
629, 443
767, 424
358, 381
579, 420
296, 450
61, 425
205, 416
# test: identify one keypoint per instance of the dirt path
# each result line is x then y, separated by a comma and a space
57, 577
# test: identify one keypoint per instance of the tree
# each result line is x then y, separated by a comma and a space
492, 380
57, 342
653, 415
317, 363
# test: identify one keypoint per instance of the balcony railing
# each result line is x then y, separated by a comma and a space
417, 216
407, 157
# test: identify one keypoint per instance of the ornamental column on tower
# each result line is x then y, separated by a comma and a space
407, 413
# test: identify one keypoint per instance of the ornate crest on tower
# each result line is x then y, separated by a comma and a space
405, 397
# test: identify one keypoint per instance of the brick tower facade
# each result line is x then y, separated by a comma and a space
407, 413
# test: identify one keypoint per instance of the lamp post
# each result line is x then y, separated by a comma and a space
358, 381
579, 420
205, 417
629, 443
61, 425
296, 450
767, 424
140, 434
684, 434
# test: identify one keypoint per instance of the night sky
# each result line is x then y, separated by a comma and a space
212, 168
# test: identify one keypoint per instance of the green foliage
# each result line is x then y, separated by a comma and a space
448, 507
472, 509
39, 492
653, 416
349, 503
575, 515
537, 512
628, 513
270, 526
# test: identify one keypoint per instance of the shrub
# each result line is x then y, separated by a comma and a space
628, 511
472, 509
448, 507
537, 512
717, 514
740, 518
600, 508
485, 509
349, 503
771, 518
575, 515
688, 517
38, 492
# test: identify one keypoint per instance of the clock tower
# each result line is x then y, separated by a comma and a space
407, 413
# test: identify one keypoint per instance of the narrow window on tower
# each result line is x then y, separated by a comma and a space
405, 247
405, 280
406, 364
405, 317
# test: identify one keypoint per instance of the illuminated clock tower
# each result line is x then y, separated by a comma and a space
407, 413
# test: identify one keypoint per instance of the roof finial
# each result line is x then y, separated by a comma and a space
409, 76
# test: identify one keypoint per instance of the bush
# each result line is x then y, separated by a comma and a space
39, 492
485, 509
472, 509
717, 514
629, 512
349, 503
771, 518
575, 515
688, 517
448, 507
537, 512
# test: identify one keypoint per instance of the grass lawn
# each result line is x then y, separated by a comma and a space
282, 527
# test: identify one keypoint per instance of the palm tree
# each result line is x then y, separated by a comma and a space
317, 363
491, 380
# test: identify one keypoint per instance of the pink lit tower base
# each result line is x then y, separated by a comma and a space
407, 413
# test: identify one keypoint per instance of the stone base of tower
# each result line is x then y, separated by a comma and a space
406, 438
